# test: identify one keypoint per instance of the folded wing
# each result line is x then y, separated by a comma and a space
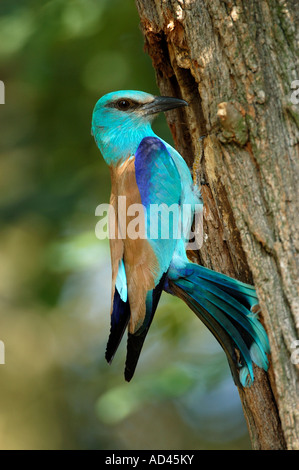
139, 265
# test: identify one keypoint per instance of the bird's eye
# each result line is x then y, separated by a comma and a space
123, 105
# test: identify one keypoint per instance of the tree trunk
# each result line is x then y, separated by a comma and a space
235, 63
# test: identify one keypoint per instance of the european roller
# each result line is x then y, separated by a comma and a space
146, 170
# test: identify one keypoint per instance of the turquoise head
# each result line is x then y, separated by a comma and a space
121, 119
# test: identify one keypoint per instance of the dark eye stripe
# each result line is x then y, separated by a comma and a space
133, 105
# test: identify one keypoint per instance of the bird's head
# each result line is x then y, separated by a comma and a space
122, 119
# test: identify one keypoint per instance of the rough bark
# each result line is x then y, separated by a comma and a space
234, 62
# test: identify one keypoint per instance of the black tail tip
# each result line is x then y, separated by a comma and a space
109, 356
128, 375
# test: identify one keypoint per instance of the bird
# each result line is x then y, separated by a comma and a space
148, 171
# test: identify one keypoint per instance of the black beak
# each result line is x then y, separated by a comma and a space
161, 104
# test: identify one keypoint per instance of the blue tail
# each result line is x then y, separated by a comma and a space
225, 306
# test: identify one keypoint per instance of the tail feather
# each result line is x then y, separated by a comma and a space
201, 300
240, 314
220, 333
136, 340
119, 320
224, 305
239, 290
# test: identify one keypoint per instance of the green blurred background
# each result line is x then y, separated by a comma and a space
57, 58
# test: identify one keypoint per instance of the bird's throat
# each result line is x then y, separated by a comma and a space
118, 144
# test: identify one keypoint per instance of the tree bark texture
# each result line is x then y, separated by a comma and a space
234, 62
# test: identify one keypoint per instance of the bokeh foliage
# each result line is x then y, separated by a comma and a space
57, 58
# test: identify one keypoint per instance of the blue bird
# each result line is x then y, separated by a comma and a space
147, 170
